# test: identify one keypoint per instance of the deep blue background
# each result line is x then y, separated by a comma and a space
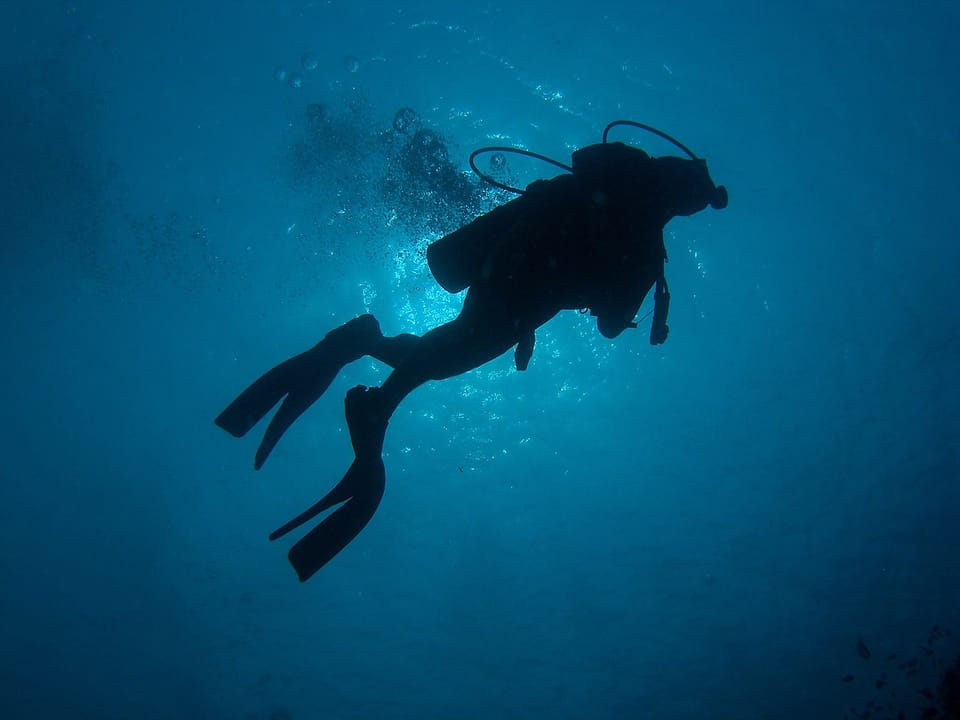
700, 529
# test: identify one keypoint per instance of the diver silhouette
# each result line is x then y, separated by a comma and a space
590, 239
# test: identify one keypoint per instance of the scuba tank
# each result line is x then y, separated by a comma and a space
457, 260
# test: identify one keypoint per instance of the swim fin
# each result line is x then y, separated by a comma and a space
360, 490
299, 382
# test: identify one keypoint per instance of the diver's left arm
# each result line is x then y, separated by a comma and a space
611, 322
618, 306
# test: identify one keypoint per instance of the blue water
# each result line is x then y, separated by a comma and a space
696, 530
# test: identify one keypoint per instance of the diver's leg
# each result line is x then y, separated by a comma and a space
393, 350
447, 350
481, 332
485, 329
489, 324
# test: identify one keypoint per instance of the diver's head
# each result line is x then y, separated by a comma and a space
689, 187
720, 198
716, 195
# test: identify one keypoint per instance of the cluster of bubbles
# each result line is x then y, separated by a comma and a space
402, 173
309, 62
380, 189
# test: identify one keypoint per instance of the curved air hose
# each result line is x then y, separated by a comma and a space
537, 156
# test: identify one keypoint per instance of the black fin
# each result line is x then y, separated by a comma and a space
341, 493
315, 549
299, 382
257, 400
297, 402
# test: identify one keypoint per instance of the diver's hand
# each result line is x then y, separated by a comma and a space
524, 351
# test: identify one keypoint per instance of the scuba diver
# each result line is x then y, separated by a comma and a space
591, 239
